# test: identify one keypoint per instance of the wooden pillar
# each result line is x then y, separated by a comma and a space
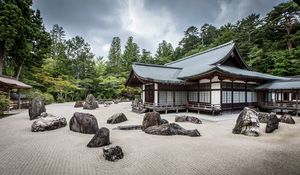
297, 97
281, 105
246, 91
19, 100
231, 96
210, 90
8, 96
221, 91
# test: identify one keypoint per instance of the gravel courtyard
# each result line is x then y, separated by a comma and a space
217, 151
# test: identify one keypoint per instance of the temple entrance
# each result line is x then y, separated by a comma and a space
149, 93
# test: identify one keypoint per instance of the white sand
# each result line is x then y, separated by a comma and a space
217, 151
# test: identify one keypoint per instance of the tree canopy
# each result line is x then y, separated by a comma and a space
65, 69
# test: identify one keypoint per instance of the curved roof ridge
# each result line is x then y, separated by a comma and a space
203, 52
156, 65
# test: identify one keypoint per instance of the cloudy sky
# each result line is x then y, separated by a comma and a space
148, 21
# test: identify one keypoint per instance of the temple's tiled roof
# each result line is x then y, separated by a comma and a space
203, 63
157, 73
287, 85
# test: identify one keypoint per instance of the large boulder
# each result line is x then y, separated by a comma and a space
184, 118
78, 104
90, 102
36, 107
84, 123
151, 119
272, 123
287, 118
171, 129
263, 117
247, 123
101, 138
129, 127
48, 122
112, 153
117, 118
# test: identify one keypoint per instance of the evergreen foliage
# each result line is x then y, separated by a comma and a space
65, 70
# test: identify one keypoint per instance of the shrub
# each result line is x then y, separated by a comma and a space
4, 102
33, 93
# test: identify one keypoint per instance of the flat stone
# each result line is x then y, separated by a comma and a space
84, 123
191, 119
101, 138
48, 122
117, 118
129, 127
171, 129
113, 153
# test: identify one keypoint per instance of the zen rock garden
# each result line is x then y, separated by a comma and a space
248, 122
153, 124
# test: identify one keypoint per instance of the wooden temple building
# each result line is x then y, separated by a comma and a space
212, 81
9, 85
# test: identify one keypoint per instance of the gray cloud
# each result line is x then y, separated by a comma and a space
148, 21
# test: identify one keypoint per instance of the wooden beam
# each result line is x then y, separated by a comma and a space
297, 98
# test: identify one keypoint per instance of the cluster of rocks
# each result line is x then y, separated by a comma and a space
248, 122
184, 118
44, 121
90, 102
87, 123
153, 124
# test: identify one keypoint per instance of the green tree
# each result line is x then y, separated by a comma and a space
208, 34
190, 40
131, 54
164, 53
26, 43
114, 56
146, 57
79, 52
284, 17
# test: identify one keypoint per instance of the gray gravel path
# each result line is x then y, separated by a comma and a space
217, 151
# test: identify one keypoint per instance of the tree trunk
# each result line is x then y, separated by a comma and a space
2, 59
18, 69
288, 29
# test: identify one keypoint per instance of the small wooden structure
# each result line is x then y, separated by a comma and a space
7, 84
211, 81
282, 96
